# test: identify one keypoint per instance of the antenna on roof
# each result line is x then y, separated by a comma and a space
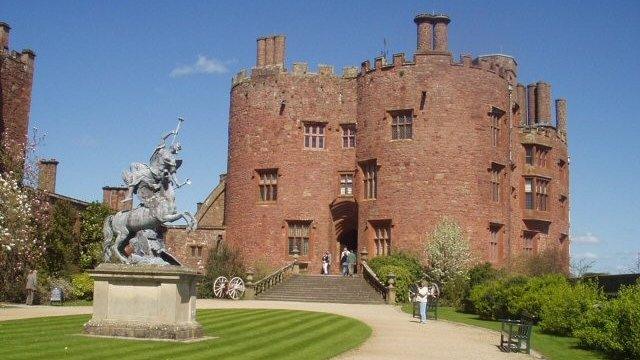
384, 51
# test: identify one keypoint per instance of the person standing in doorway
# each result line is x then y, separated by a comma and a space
344, 260
326, 262
32, 282
351, 261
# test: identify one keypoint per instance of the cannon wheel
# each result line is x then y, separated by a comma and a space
219, 286
436, 290
236, 288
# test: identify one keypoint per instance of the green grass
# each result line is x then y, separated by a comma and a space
78, 303
242, 334
551, 346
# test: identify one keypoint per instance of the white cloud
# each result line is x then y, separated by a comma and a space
587, 255
203, 65
588, 238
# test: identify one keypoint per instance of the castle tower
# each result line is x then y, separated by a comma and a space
435, 138
16, 79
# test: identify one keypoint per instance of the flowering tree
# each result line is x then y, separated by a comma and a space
21, 223
447, 252
23, 220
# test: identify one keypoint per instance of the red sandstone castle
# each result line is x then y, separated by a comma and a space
375, 158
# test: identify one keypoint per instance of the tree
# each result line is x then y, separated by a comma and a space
23, 220
62, 250
447, 252
91, 234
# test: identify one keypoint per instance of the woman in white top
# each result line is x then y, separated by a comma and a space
423, 297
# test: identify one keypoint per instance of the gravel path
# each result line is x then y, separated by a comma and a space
395, 334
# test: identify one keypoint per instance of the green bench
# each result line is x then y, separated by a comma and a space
515, 335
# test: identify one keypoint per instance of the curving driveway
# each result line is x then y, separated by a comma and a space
395, 334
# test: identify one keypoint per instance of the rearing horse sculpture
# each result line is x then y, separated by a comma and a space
159, 208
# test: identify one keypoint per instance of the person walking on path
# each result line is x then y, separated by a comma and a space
32, 281
344, 260
326, 262
351, 261
423, 298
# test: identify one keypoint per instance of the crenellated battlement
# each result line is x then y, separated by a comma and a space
26, 56
298, 69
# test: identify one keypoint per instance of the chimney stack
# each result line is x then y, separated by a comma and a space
531, 104
561, 116
543, 102
4, 35
47, 175
521, 95
271, 51
432, 32
112, 197
278, 58
261, 58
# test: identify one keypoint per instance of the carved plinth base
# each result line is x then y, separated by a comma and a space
148, 301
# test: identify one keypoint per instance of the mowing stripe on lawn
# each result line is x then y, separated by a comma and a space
254, 333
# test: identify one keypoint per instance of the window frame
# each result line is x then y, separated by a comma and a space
370, 179
382, 237
495, 116
538, 196
349, 132
402, 124
300, 240
314, 135
267, 181
344, 183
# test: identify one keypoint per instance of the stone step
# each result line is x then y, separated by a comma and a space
315, 288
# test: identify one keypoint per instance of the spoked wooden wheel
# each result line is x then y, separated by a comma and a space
435, 290
219, 286
236, 288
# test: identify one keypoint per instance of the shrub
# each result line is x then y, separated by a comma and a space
477, 275
405, 266
404, 279
402, 259
91, 236
614, 327
495, 299
224, 262
566, 305
82, 286
535, 293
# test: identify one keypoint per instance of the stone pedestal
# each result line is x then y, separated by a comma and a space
144, 301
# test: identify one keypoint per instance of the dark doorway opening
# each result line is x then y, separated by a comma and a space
349, 240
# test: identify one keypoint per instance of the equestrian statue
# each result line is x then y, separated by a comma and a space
133, 236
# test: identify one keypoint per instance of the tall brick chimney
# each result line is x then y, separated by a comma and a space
270, 52
425, 32
47, 175
521, 95
432, 32
4, 35
561, 116
543, 103
532, 116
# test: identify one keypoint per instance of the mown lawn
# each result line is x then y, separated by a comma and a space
551, 346
241, 334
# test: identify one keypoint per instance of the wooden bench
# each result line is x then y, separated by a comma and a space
514, 334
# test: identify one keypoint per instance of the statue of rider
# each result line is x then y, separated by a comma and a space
163, 164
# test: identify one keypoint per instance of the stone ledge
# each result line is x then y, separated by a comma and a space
142, 330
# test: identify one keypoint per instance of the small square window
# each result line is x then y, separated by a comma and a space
314, 135
348, 136
401, 124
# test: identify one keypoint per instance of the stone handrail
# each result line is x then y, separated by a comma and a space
275, 278
370, 277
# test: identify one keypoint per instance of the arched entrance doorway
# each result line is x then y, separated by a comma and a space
344, 213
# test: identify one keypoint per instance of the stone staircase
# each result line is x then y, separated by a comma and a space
318, 288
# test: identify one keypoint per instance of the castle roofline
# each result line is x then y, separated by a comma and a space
498, 54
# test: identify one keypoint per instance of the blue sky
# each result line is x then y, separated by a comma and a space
111, 76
